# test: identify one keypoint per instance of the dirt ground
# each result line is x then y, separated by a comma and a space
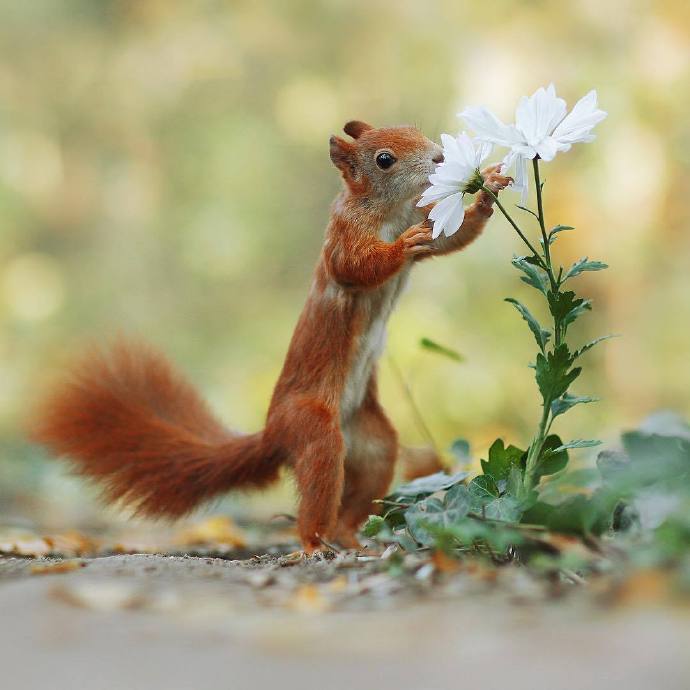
143, 621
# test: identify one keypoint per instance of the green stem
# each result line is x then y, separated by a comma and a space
542, 226
535, 451
515, 226
537, 444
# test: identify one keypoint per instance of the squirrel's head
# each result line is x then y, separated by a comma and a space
390, 164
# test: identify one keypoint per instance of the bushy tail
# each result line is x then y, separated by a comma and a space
126, 419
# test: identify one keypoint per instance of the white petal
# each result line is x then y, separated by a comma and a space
450, 147
467, 150
522, 179
547, 148
576, 126
508, 161
519, 174
452, 174
484, 149
436, 193
525, 118
537, 115
445, 213
443, 208
557, 106
476, 149
454, 221
488, 127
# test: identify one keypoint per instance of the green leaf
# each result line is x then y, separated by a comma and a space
505, 508
554, 374
564, 403
534, 276
514, 482
373, 525
583, 265
541, 335
427, 513
460, 450
588, 346
565, 307
584, 479
483, 488
612, 464
458, 499
585, 305
578, 443
501, 460
395, 516
556, 230
657, 457
498, 537
433, 346
533, 259
529, 210
403, 538
430, 484
553, 457
583, 515
538, 514
571, 516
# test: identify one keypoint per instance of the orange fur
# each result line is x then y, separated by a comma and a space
126, 420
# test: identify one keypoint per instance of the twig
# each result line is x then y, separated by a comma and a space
327, 545
573, 576
416, 413
385, 501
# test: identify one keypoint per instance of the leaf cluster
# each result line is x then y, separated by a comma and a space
639, 496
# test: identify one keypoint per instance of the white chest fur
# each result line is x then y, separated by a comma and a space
378, 305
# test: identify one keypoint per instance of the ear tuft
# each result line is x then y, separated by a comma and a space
355, 128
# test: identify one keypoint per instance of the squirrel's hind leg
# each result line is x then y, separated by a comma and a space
318, 451
369, 467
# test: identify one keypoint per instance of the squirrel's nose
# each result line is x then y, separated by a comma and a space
438, 158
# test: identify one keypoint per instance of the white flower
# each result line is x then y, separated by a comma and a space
456, 176
541, 128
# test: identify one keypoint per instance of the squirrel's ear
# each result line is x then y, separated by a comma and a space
342, 154
355, 128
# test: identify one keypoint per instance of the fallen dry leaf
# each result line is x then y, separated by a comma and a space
309, 599
99, 596
73, 542
642, 588
444, 563
52, 568
567, 544
338, 584
27, 546
481, 572
216, 530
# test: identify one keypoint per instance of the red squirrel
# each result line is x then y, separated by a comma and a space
126, 419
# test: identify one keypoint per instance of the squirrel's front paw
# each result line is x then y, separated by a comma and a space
416, 239
494, 180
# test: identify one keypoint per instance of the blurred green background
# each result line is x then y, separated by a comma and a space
164, 171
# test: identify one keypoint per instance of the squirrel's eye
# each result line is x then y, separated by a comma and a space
385, 160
